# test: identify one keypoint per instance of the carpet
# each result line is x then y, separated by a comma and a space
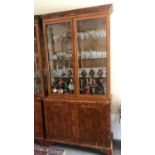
42, 150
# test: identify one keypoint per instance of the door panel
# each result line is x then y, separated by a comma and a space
92, 55
60, 58
93, 121
58, 121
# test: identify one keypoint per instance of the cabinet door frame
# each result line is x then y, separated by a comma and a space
86, 17
103, 109
38, 44
45, 24
68, 107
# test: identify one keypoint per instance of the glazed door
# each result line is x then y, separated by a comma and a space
92, 49
93, 124
60, 57
58, 121
37, 78
38, 73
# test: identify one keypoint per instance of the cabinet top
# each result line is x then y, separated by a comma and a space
104, 9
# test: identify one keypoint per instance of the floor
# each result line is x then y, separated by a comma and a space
80, 151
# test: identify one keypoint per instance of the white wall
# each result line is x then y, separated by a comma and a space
47, 6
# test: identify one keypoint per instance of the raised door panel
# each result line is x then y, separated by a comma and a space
93, 124
38, 124
58, 121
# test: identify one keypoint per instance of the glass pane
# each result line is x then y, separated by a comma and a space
37, 80
92, 56
60, 58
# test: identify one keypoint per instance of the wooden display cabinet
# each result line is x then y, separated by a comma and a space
77, 51
38, 84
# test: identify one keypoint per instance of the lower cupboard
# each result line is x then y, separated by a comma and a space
78, 123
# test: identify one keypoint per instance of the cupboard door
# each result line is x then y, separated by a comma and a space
93, 124
92, 55
38, 122
60, 58
58, 121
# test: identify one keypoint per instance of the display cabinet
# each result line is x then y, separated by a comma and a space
38, 83
77, 50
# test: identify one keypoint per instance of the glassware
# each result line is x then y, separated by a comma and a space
87, 88
60, 86
71, 87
